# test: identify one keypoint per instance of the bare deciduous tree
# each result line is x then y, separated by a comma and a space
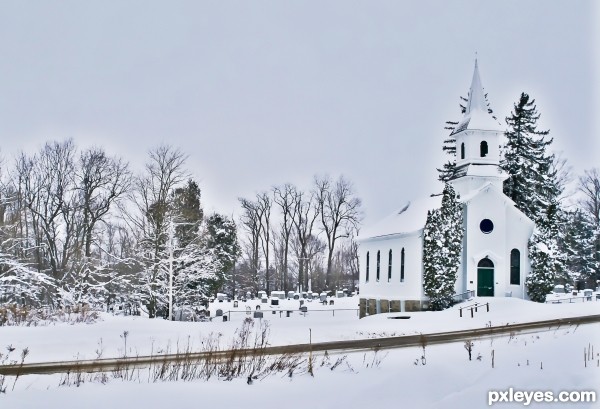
284, 197
102, 181
264, 203
306, 211
251, 223
46, 184
589, 186
340, 213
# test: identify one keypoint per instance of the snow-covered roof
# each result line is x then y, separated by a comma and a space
468, 197
410, 218
478, 169
476, 114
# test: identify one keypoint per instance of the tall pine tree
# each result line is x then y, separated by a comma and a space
187, 211
442, 247
220, 239
532, 184
578, 245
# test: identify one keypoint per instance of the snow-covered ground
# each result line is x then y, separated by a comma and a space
552, 360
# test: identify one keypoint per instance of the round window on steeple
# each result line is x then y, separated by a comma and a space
486, 226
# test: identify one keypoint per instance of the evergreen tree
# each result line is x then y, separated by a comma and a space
531, 182
543, 253
220, 239
442, 245
533, 185
543, 273
188, 211
446, 173
589, 203
577, 242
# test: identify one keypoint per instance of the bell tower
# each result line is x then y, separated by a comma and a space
477, 143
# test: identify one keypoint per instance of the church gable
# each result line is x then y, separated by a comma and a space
491, 193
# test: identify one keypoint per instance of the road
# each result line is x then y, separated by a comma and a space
110, 364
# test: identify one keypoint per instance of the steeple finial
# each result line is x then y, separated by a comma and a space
476, 94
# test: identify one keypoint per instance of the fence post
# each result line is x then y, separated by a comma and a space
471, 312
460, 311
488, 307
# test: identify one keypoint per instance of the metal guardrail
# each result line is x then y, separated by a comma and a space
107, 364
463, 296
593, 297
472, 307
287, 311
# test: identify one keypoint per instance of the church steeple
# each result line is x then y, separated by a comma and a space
477, 142
476, 113
476, 94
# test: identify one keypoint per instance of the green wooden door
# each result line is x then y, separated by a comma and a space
485, 278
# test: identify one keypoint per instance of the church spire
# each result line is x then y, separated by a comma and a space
476, 114
476, 94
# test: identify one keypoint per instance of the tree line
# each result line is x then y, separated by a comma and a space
78, 226
301, 239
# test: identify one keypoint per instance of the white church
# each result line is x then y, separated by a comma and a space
494, 260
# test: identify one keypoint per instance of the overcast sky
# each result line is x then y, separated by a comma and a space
260, 93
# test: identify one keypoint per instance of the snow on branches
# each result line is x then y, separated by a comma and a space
442, 246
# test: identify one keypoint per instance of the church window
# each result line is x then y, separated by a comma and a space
483, 149
485, 263
367, 269
462, 150
378, 264
402, 265
515, 267
486, 226
390, 266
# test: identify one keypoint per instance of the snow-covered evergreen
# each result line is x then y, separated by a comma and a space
442, 245
532, 184
544, 254
577, 241
220, 238
543, 272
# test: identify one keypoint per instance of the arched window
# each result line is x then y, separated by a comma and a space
367, 269
485, 263
462, 150
402, 265
515, 267
483, 149
390, 266
378, 264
